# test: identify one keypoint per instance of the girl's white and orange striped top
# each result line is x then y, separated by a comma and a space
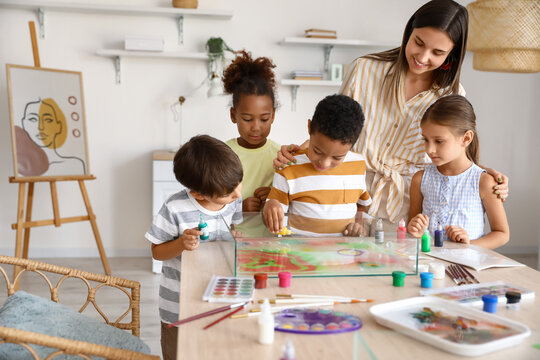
391, 140
321, 202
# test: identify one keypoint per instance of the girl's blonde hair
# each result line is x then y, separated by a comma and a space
445, 15
457, 113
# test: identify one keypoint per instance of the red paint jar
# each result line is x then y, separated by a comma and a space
260, 280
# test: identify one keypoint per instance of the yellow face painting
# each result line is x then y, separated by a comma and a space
52, 124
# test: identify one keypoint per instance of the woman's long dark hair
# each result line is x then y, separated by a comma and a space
445, 15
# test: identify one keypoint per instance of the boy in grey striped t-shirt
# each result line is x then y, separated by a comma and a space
212, 174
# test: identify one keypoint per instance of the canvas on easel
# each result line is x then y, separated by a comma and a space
47, 121
49, 144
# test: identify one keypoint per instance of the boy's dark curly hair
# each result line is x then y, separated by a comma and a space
249, 76
339, 117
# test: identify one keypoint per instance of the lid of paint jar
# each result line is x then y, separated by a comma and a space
398, 274
284, 275
512, 297
260, 276
490, 299
426, 275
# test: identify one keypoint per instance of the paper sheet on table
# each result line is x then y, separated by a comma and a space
475, 257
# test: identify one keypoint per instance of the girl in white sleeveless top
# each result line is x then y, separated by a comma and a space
454, 191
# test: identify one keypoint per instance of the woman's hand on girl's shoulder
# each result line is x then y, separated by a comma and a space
501, 187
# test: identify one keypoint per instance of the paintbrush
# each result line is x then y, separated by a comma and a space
257, 312
224, 317
314, 300
207, 313
321, 297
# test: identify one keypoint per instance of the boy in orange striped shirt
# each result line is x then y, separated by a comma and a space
325, 186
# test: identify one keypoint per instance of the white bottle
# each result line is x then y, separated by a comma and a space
266, 324
379, 232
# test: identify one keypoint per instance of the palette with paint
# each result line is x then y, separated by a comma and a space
315, 321
450, 326
229, 289
258, 250
472, 294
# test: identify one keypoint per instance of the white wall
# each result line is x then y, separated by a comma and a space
127, 122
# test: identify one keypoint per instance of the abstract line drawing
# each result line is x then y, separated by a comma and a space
46, 142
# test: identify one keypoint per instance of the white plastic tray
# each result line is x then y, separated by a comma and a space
398, 316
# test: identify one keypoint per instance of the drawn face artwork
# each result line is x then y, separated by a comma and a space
45, 123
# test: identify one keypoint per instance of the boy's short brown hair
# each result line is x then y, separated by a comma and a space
208, 166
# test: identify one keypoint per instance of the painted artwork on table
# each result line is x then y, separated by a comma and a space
48, 129
258, 250
460, 329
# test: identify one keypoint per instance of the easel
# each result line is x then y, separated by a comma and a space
24, 221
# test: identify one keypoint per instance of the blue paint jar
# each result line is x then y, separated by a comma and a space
490, 303
426, 279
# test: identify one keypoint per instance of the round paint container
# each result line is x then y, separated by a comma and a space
260, 280
437, 268
512, 300
284, 279
398, 278
422, 268
426, 279
490, 303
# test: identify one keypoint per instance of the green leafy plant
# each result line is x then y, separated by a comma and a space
216, 47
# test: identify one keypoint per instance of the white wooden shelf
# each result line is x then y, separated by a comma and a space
334, 42
42, 6
118, 54
297, 83
152, 54
329, 44
293, 82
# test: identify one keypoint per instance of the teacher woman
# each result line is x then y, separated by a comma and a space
395, 88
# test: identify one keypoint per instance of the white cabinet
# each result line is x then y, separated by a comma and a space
164, 184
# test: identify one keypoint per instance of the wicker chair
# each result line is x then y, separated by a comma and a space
67, 346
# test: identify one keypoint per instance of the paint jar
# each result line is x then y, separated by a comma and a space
260, 280
266, 324
439, 236
379, 232
284, 279
422, 268
438, 270
398, 278
426, 241
401, 231
512, 300
490, 303
203, 226
288, 351
426, 279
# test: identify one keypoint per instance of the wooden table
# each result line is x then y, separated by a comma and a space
237, 338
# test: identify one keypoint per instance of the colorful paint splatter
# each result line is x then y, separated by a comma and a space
323, 256
460, 329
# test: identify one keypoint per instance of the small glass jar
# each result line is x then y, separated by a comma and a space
512, 300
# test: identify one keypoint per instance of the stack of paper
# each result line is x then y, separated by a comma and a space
307, 75
320, 33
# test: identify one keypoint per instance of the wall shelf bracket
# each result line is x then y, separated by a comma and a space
327, 51
41, 21
181, 30
117, 68
294, 95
